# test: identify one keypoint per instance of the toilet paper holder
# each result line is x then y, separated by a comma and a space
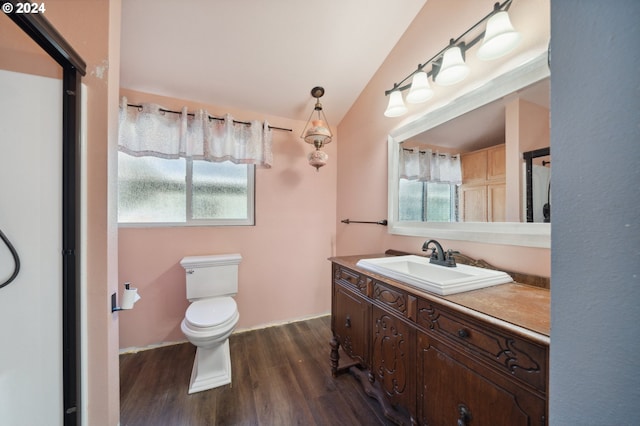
129, 298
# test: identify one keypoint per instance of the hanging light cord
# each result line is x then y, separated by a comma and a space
16, 259
397, 86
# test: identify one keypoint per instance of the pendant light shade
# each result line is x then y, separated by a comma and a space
453, 69
318, 159
317, 131
420, 89
500, 37
396, 106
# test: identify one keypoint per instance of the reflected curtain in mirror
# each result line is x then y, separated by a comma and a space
428, 185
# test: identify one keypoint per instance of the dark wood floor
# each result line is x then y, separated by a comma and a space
281, 376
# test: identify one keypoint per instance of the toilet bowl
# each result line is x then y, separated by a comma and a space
209, 321
211, 317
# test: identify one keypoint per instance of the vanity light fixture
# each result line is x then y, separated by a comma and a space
453, 69
420, 90
396, 106
500, 37
317, 131
448, 66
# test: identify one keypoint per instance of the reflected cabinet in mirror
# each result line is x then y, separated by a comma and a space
478, 168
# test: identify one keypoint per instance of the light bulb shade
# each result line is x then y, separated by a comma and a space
396, 106
453, 69
420, 89
500, 37
318, 159
318, 134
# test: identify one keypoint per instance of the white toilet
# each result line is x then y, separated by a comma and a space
211, 317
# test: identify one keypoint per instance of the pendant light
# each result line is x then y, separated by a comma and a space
453, 69
317, 131
396, 106
420, 90
500, 37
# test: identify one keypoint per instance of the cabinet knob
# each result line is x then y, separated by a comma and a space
463, 333
464, 415
347, 322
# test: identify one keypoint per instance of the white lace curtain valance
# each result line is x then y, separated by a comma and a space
428, 166
149, 131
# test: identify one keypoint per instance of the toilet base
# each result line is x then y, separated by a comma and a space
211, 368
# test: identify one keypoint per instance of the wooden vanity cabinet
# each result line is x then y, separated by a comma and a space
350, 315
393, 353
483, 189
455, 390
484, 165
428, 363
473, 373
351, 323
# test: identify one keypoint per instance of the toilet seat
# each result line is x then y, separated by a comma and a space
211, 313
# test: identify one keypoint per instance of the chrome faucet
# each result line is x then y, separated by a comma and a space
438, 255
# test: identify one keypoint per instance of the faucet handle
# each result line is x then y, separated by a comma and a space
434, 251
451, 261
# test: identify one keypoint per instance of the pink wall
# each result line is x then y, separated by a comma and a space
527, 128
93, 29
21, 54
364, 130
284, 273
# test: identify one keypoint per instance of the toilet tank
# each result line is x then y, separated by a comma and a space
212, 275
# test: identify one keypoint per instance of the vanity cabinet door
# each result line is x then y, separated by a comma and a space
496, 163
483, 203
454, 390
484, 165
496, 202
393, 358
474, 166
473, 203
483, 190
351, 322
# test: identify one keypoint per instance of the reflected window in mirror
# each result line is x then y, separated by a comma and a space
428, 184
487, 144
428, 201
489, 128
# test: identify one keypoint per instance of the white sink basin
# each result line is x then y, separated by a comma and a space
418, 272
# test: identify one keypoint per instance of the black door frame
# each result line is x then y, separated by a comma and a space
49, 39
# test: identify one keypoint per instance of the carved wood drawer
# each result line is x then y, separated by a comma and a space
352, 278
512, 354
395, 299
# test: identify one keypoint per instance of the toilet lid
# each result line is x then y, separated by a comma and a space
210, 312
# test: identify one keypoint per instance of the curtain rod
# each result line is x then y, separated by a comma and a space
211, 117
433, 153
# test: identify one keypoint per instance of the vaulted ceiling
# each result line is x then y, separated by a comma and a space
262, 56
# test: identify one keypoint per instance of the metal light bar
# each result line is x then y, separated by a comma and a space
436, 59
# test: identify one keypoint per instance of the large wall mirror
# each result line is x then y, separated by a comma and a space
496, 139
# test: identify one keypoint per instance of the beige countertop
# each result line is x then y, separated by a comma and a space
522, 308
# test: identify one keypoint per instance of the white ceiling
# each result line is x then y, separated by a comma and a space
482, 127
262, 56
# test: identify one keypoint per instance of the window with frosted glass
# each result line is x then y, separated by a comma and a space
159, 191
427, 201
219, 190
